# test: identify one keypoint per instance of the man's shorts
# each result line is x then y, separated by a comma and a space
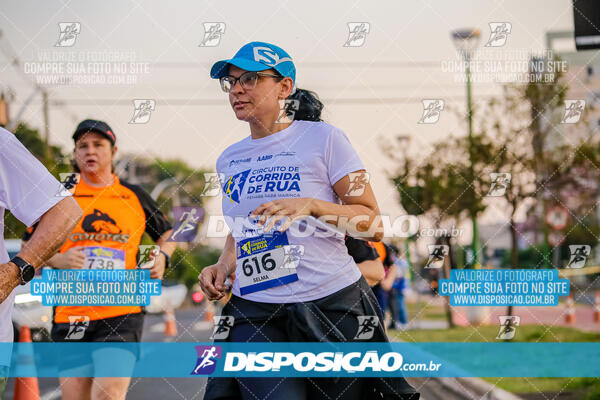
120, 329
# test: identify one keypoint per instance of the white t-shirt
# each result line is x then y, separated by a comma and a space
304, 160
28, 190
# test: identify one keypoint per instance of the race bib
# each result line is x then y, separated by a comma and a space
263, 262
104, 258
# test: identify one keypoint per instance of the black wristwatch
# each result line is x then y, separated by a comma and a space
167, 259
27, 270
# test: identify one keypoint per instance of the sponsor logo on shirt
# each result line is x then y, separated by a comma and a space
265, 157
240, 161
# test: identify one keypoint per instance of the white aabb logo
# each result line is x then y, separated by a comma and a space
268, 56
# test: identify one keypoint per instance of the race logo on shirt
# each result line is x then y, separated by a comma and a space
77, 327
234, 185
277, 179
366, 326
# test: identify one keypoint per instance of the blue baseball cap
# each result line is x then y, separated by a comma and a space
258, 56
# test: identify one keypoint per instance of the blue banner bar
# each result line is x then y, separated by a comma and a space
304, 359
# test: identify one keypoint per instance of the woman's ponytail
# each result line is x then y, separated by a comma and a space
308, 108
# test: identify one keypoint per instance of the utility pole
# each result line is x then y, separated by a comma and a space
47, 155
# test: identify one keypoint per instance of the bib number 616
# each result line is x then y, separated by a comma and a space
266, 262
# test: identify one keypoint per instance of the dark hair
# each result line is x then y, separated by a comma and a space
308, 108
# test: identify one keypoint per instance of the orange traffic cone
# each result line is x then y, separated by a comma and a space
570, 311
26, 388
597, 306
209, 312
170, 323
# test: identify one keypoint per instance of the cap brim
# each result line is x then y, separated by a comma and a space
79, 133
221, 68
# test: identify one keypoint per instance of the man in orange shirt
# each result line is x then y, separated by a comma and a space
116, 215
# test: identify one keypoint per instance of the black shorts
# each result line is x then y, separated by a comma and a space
333, 318
121, 329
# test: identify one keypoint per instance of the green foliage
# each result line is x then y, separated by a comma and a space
187, 265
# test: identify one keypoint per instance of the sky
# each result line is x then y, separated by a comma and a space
373, 92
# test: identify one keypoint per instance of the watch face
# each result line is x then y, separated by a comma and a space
28, 273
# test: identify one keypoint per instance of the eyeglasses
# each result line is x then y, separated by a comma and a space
248, 80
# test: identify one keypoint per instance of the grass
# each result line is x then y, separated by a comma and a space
585, 388
422, 310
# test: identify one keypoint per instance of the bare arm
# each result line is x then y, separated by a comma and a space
158, 269
51, 233
358, 215
212, 278
372, 270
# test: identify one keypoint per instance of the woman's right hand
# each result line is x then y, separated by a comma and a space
212, 281
72, 258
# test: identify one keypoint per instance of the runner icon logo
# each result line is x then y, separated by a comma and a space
292, 255
68, 180
508, 324
357, 33
142, 110
212, 186
573, 111
148, 254
366, 326
499, 32
287, 111
432, 109
500, 182
68, 33
223, 324
213, 31
187, 222
77, 326
207, 359
579, 254
358, 183
437, 253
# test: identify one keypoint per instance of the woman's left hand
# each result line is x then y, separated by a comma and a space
290, 209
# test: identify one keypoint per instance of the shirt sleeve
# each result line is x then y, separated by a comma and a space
156, 221
27, 189
360, 250
340, 156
